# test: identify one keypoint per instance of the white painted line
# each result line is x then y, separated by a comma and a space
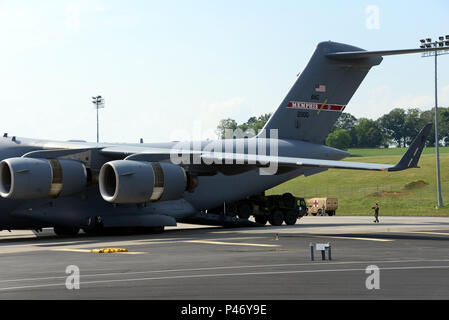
431, 233
232, 243
221, 275
355, 238
223, 268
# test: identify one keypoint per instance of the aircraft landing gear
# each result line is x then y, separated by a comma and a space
245, 210
66, 231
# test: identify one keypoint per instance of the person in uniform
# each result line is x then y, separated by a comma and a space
376, 213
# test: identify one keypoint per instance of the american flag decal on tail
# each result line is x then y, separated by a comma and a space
320, 88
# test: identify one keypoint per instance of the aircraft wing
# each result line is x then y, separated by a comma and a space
409, 160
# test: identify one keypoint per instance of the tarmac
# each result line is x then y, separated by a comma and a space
192, 262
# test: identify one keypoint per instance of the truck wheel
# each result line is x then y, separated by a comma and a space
291, 218
262, 220
245, 211
276, 218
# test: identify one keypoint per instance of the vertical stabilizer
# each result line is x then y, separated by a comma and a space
320, 94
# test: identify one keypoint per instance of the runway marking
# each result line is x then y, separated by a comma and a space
354, 238
218, 268
81, 244
231, 243
425, 232
222, 275
90, 251
72, 250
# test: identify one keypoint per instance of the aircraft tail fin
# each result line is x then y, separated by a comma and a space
320, 94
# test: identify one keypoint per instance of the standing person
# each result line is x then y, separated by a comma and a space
376, 213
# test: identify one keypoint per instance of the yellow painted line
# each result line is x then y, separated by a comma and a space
353, 238
232, 243
72, 250
109, 250
132, 253
91, 251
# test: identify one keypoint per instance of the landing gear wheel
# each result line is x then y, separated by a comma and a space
276, 218
262, 220
244, 211
231, 210
291, 218
66, 231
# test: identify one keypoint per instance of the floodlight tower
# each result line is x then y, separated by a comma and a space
99, 104
442, 42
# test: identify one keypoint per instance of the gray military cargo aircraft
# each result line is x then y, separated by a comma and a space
78, 185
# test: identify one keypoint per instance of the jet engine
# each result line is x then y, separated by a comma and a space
126, 181
29, 179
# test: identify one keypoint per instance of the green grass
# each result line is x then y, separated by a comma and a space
358, 191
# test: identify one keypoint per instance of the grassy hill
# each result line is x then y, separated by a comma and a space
410, 192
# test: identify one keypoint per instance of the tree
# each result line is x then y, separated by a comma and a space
443, 124
348, 122
393, 126
369, 134
225, 124
412, 125
340, 139
249, 128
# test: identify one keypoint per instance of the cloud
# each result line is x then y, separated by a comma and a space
382, 99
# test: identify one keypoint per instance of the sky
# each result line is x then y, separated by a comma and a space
170, 70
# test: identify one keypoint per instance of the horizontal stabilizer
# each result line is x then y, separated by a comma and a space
367, 54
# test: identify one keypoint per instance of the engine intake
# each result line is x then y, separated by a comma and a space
126, 181
29, 179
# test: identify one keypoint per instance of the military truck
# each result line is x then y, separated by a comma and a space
322, 206
275, 209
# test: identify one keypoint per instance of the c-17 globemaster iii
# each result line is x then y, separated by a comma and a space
91, 186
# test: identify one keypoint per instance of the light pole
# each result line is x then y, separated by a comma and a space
442, 42
99, 104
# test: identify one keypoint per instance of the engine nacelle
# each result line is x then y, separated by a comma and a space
29, 179
126, 181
